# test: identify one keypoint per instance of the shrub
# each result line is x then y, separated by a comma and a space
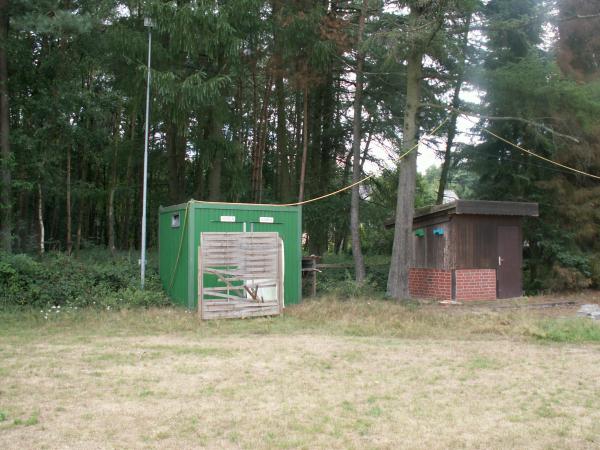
56, 279
347, 287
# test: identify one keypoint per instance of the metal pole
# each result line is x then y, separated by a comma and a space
145, 188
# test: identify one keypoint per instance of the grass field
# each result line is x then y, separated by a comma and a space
329, 374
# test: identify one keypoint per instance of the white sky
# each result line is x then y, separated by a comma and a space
427, 150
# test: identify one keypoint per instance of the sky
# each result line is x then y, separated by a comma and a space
428, 153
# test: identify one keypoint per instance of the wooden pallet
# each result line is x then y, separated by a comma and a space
249, 270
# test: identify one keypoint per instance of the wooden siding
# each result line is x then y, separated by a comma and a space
474, 243
431, 251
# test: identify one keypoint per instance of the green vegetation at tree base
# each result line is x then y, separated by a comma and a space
59, 284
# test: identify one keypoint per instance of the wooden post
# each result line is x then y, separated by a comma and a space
200, 278
279, 275
314, 278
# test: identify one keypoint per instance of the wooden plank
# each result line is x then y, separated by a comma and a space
240, 257
219, 294
200, 281
241, 314
237, 306
224, 288
210, 303
279, 277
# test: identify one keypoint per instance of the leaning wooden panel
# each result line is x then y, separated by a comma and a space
245, 272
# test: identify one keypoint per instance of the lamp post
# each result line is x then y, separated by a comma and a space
147, 23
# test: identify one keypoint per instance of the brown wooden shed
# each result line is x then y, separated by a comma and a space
469, 250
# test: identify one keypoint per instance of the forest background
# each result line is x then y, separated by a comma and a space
282, 101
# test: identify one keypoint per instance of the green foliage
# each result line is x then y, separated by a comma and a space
227, 113
58, 280
379, 208
567, 330
340, 282
347, 287
521, 79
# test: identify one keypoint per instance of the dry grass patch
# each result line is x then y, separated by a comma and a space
302, 391
328, 374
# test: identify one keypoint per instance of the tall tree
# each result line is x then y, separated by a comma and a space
357, 254
579, 43
423, 23
459, 71
6, 205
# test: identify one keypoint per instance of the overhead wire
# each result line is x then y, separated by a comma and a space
345, 188
321, 197
350, 186
532, 153
543, 158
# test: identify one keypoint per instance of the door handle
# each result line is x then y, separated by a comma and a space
500, 260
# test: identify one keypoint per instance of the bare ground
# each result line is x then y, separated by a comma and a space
90, 383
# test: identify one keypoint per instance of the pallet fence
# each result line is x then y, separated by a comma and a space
245, 272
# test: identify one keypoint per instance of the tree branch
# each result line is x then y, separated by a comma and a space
500, 118
579, 16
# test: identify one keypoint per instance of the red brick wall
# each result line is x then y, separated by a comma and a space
475, 284
430, 283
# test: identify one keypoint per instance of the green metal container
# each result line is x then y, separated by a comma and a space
179, 237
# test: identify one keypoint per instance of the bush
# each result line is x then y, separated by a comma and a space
59, 280
340, 281
347, 287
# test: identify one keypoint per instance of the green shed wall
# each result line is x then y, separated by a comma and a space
175, 283
206, 217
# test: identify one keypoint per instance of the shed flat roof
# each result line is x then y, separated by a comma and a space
481, 207
476, 207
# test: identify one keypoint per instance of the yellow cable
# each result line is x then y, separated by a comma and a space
187, 208
402, 156
572, 169
350, 186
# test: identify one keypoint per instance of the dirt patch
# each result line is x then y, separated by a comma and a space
551, 305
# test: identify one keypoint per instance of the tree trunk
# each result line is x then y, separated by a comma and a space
69, 237
283, 170
365, 152
259, 148
174, 164
214, 130
113, 187
304, 146
111, 220
79, 231
454, 116
81, 208
296, 158
214, 178
359, 263
41, 220
6, 224
402, 250
130, 197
